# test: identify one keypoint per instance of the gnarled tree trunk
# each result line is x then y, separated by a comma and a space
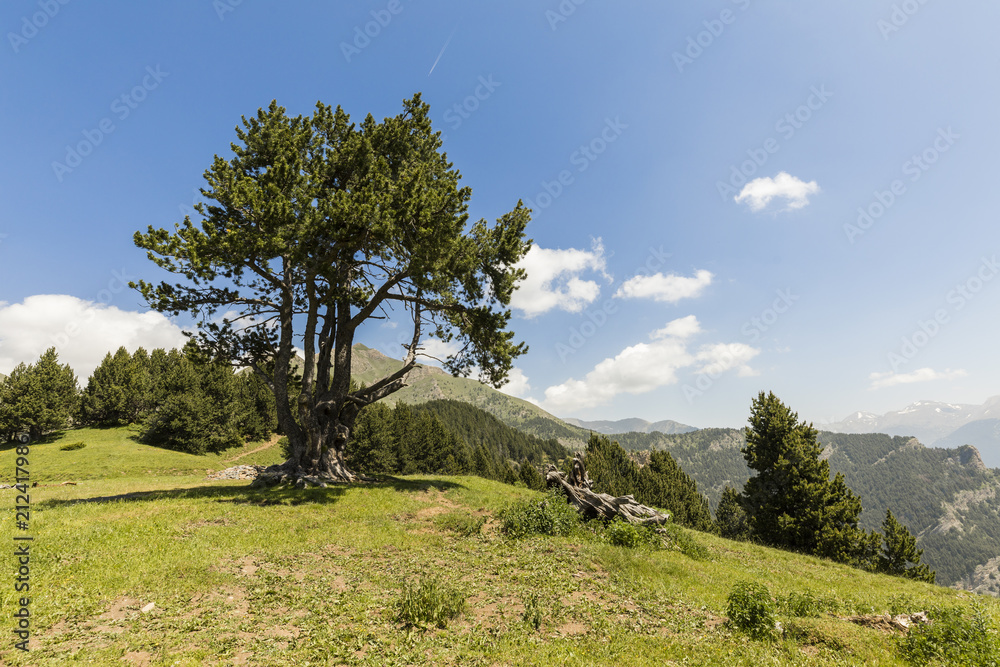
577, 487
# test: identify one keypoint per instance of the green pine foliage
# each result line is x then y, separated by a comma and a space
38, 398
900, 555
791, 502
118, 391
730, 516
660, 483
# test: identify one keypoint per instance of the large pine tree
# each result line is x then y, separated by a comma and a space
791, 502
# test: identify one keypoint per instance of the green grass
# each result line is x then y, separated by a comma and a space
282, 576
115, 452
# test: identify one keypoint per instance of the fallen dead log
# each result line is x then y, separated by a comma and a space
577, 488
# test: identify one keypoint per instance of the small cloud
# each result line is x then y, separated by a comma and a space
553, 280
669, 288
891, 379
721, 357
517, 384
759, 192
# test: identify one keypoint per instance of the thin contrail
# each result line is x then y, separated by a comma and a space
442, 50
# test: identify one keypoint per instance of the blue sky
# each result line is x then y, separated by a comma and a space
730, 196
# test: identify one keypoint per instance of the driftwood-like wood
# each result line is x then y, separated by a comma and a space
577, 487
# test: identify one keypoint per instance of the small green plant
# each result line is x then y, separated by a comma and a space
466, 525
550, 515
751, 609
71, 447
532, 612
801, 605
953, 637
623, 534
429, 602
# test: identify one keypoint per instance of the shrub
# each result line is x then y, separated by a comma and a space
804, 604
429, 602
953, 637
550, 515
623, 534
751, 609
75, 445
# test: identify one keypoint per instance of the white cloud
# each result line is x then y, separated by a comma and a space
721, 357
554, 281
81, 331
759, 192
891, 379
641, 368
433, 350
517, 384
670, 288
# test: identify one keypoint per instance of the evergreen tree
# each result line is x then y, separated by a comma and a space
730, 517
791, 501
610, 467
900, 550
373, 447
528, 474
38, 398
258, 417
117, 391
663, 484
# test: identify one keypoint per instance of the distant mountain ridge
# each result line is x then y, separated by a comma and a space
632, 425
936, 424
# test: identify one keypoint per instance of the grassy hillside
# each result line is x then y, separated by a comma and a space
428, 383
241, 576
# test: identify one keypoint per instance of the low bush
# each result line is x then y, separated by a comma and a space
623, 534
550, 515
751, 609
429, 602
71, 447
679, 539
954, 637
803, 605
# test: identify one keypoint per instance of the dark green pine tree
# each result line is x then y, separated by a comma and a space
791, 501
900, 550
38, 398
373, 447
258, 416
528, 474
730, 517
117, 391
662, 483
610, 467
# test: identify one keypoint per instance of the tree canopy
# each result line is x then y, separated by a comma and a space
38, 398
316, 225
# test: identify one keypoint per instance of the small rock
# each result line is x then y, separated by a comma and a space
148, 608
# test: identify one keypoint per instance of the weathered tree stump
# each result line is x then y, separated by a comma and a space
577, 487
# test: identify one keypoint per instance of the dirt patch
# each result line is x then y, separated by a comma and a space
138, 658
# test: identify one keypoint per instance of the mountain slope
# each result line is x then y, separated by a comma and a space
947, 497
631, 425
428, 383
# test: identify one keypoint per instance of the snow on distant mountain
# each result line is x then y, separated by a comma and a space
935, 424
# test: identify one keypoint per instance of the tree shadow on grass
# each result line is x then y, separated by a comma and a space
276, 495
